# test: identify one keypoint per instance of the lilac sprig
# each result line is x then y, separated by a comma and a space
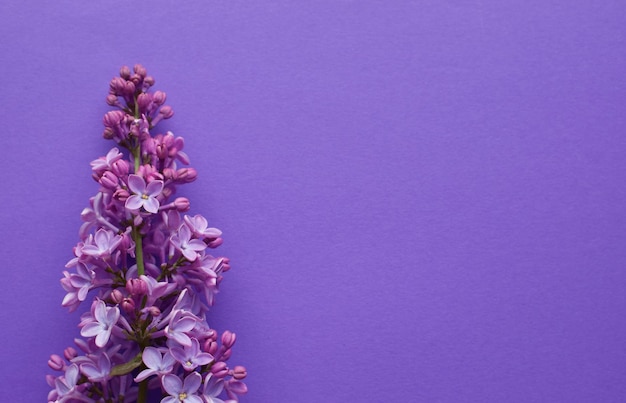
145, 264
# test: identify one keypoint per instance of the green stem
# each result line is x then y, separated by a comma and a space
138, 251
142, 397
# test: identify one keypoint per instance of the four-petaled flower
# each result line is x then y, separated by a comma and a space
182, 392
98, 369
157, 364
187, 246
103, 320
104, 243
143, 195
191, 356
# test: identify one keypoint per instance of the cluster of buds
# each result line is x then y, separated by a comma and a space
145, 266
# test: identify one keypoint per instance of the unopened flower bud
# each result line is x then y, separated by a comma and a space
140, 70
219, 369
235, 387
214, 243
166, 111
136, 286
125, 72
128, 305
144, 100
186, 175
117, 86
111, 100
154, 311
112, 118
108, 134
56, 362
169, 173
182, 204
117, 296
121, 195
226, 355
130, 87
70, 353
210, 346
159, 97
149, 81
120, 168
239, 372
109, 180
228, 338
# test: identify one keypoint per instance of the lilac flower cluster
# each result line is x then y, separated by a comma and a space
147, 266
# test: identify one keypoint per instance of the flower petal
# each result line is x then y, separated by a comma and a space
151, 205
172, 384
136, 184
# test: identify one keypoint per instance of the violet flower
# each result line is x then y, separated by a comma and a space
157, 364
101, 325
182, 392
143, 196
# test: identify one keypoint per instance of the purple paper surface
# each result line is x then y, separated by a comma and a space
422, 201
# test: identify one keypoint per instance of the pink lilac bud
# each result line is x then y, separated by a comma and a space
210, 346
228, 338
214, 243
128, 305
130, 87
56, 363
125, 72
140, 70
149, 81
112, 118
70, 353
219, 369
154, 311
120, 168
135, 79
159, 97
166, 111
186, 175
117, 296
117, 86
181, 204
161, 152
136, 287
108, 133
144, 100
111, 100
169, 173
109, 180
121, 195
239, 372
226, 355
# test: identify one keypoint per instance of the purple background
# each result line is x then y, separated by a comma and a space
423, 201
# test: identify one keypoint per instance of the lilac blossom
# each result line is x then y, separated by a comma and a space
181, 323
180, 392
98, 369
104, 243
143, 195
102, 323
184, 244
157, 364
147, 328
65, 385
200, 227
191, 356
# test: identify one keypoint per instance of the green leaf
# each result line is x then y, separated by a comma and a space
127, 367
